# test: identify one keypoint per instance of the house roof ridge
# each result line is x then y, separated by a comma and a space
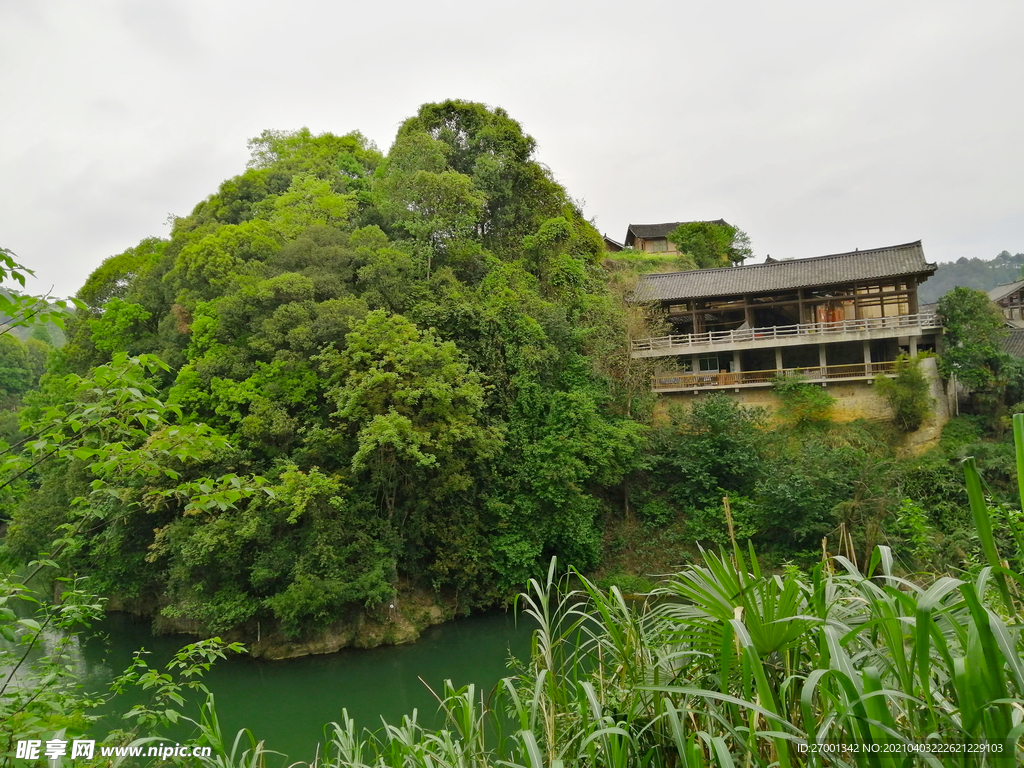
779, 262
829, 269
1003, 290
663, 229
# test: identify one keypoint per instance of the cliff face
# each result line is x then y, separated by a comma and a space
400, 621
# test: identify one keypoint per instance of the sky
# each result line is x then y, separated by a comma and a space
816, 127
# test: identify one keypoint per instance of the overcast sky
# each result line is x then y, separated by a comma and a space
817, 127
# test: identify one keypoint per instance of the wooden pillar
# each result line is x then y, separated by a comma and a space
800, 308
748, 313
912, 305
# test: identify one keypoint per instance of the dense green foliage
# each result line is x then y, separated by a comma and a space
729, 665
401, 346
345, 373
413, 371
974, 328
710, 244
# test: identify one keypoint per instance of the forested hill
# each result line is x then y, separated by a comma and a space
408, 352
983, 274
349, 375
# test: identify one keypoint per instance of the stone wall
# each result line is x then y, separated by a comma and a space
854, 400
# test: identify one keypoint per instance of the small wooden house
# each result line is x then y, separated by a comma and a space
1010, 300
653, 238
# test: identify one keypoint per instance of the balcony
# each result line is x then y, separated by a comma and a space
787, 335
692, 382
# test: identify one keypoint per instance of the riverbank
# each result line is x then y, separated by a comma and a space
399, 621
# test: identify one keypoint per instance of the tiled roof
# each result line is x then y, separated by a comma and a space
1002, 291
1013, 342
647, 231
836, 269
611, 245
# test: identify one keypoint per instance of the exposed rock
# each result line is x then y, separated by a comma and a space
396, 622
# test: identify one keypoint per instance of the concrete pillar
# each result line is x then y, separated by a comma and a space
736, 364
778, 358
822, 360
694, 364
913, 346
867, 357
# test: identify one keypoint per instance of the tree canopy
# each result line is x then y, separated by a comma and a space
711, 244
395, 343
974, 328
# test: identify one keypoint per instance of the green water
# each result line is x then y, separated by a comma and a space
287, 703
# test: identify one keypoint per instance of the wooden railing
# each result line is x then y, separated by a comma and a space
683, 342
677, 381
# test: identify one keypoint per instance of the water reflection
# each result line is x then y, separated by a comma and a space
287, 703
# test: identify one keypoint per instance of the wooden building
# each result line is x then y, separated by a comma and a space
653, 238
612, 246
1010, 300
842, 316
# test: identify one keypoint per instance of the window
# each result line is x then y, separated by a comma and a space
709, 363
658, 246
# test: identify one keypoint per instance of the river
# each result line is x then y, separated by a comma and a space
287, 703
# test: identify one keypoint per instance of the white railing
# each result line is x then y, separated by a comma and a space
686, 380
771, 333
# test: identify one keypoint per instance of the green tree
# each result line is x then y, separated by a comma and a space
416, 336
439, 208
308, 201
908, 394
714, 446
491, 148
712, 244
974, 329
18, 310
15, 369
415, 409
803, 404
115, 275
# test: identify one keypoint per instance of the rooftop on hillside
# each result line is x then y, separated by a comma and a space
651, 231
835, 269
1002, 291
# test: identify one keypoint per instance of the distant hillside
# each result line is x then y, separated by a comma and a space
46, 332
973, 273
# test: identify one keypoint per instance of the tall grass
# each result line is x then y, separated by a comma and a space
726, 665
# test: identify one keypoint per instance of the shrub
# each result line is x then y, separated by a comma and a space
907, 394
803, 404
